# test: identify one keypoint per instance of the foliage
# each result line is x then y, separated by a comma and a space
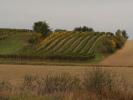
121, 37
60, 30
124, 34
33, 40
98, 81
41, 27
54, 47
8, 30
84, 29
84, 44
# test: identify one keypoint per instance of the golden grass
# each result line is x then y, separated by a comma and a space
15, 73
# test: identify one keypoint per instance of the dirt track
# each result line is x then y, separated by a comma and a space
123, 57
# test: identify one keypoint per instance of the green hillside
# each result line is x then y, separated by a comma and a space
12, 41
58, 45
80, 45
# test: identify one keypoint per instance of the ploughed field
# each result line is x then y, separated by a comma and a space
123, 57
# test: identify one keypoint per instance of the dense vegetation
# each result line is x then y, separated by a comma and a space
83, 29
13, 41
82, 43
95, 85
41, 27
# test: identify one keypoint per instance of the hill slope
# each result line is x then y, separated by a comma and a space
75, 45
12, 41
70, 45
123, 57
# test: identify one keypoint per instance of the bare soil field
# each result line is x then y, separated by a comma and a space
123, 57
15, 73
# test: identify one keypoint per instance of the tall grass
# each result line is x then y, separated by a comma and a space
95, 85
98, 81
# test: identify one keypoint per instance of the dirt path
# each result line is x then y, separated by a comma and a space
123, 57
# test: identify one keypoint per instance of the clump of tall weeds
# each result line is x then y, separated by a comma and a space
95, 85
62, 83
105, 85
5, 86
98, 81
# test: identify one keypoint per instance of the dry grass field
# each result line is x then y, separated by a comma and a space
15, 73
123, 57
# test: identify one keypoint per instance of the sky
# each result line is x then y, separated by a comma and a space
102, 15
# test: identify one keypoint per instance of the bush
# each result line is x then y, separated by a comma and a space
5, 86
51, 84
98, 81
83, 29
29, 83
33, 40
60, 30
62, 83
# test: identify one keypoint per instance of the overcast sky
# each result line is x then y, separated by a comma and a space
102, 15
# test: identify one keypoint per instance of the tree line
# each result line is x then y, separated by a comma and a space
43, 28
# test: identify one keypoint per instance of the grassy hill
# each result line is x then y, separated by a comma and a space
13, 41
76, 45
58, 45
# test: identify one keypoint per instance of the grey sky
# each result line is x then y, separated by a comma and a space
102, 15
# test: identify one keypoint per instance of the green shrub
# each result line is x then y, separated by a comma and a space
33, 40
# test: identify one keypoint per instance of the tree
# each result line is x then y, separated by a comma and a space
118, 33
121, 37
41, 27
60, 30
124, 34
84, 29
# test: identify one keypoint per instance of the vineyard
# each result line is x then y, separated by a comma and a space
72, 45
58, 45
